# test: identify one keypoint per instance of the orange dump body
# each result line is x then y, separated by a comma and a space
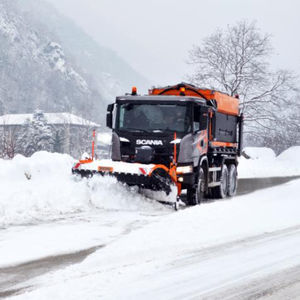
225, 103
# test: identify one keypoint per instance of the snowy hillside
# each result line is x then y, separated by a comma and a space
34, 69
47, 62
111, 74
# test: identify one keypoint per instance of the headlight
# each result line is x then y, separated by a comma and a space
124, 140
177, 141
185, 169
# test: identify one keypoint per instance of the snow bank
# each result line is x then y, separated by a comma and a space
42, 188
264, 163
260, 153
291, 155
104, 138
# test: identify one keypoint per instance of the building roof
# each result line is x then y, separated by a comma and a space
52, 118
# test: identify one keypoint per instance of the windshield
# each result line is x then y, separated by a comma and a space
153, 117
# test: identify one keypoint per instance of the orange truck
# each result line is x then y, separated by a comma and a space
178, 135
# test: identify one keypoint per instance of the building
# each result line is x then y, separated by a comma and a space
54, 132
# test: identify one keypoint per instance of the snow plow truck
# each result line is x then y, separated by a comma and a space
181, 136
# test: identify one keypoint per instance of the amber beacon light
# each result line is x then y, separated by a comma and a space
182, 91
134, 90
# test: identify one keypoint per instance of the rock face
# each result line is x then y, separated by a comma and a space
48, 63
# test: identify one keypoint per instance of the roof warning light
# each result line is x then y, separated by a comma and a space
134, 90
182, 91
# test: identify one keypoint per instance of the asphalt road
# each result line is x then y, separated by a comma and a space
249, 185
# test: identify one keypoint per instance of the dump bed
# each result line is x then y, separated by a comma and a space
225, 103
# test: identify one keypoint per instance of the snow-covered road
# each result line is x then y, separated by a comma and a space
224, 271
109, 242
214, 251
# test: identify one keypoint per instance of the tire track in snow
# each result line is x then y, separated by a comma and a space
10, 277
250, 268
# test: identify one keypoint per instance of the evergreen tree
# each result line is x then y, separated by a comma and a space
58, 141
36, 135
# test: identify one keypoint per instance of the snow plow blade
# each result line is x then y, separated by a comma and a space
148, 176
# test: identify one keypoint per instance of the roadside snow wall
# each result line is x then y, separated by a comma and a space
264, 163
42, 188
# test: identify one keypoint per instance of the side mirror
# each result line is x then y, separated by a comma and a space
109, 116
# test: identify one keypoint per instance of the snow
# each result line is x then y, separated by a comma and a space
42, 188
134, 262
36, 245
260, 153
52, 118
264, 163
54, 53
6, 27
42, 197
119, 167
104, 138
148, 250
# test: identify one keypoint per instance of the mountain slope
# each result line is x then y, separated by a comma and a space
47, 62
111, 73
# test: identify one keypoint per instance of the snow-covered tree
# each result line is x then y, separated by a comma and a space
36, 135
58, 140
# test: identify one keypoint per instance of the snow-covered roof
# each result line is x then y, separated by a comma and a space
52, 118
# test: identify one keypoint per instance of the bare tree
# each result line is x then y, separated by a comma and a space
236, 60
8, 142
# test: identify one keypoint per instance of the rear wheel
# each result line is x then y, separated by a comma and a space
232, 180
220, 191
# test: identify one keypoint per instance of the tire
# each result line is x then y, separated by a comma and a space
232, 180
195, 195
190, 195
221, 191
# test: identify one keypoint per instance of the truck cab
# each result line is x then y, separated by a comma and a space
144, 128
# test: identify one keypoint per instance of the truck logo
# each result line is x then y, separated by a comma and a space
150, 142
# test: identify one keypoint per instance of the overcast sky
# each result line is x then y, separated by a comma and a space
154, 36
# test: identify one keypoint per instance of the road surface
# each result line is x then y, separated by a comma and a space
243, 269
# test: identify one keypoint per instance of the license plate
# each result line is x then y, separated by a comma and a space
105, 169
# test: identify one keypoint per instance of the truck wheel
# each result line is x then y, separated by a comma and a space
200, 189
220, 192
195, 195
232, 180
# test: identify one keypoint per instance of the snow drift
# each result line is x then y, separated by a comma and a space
42, 188
264, 163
